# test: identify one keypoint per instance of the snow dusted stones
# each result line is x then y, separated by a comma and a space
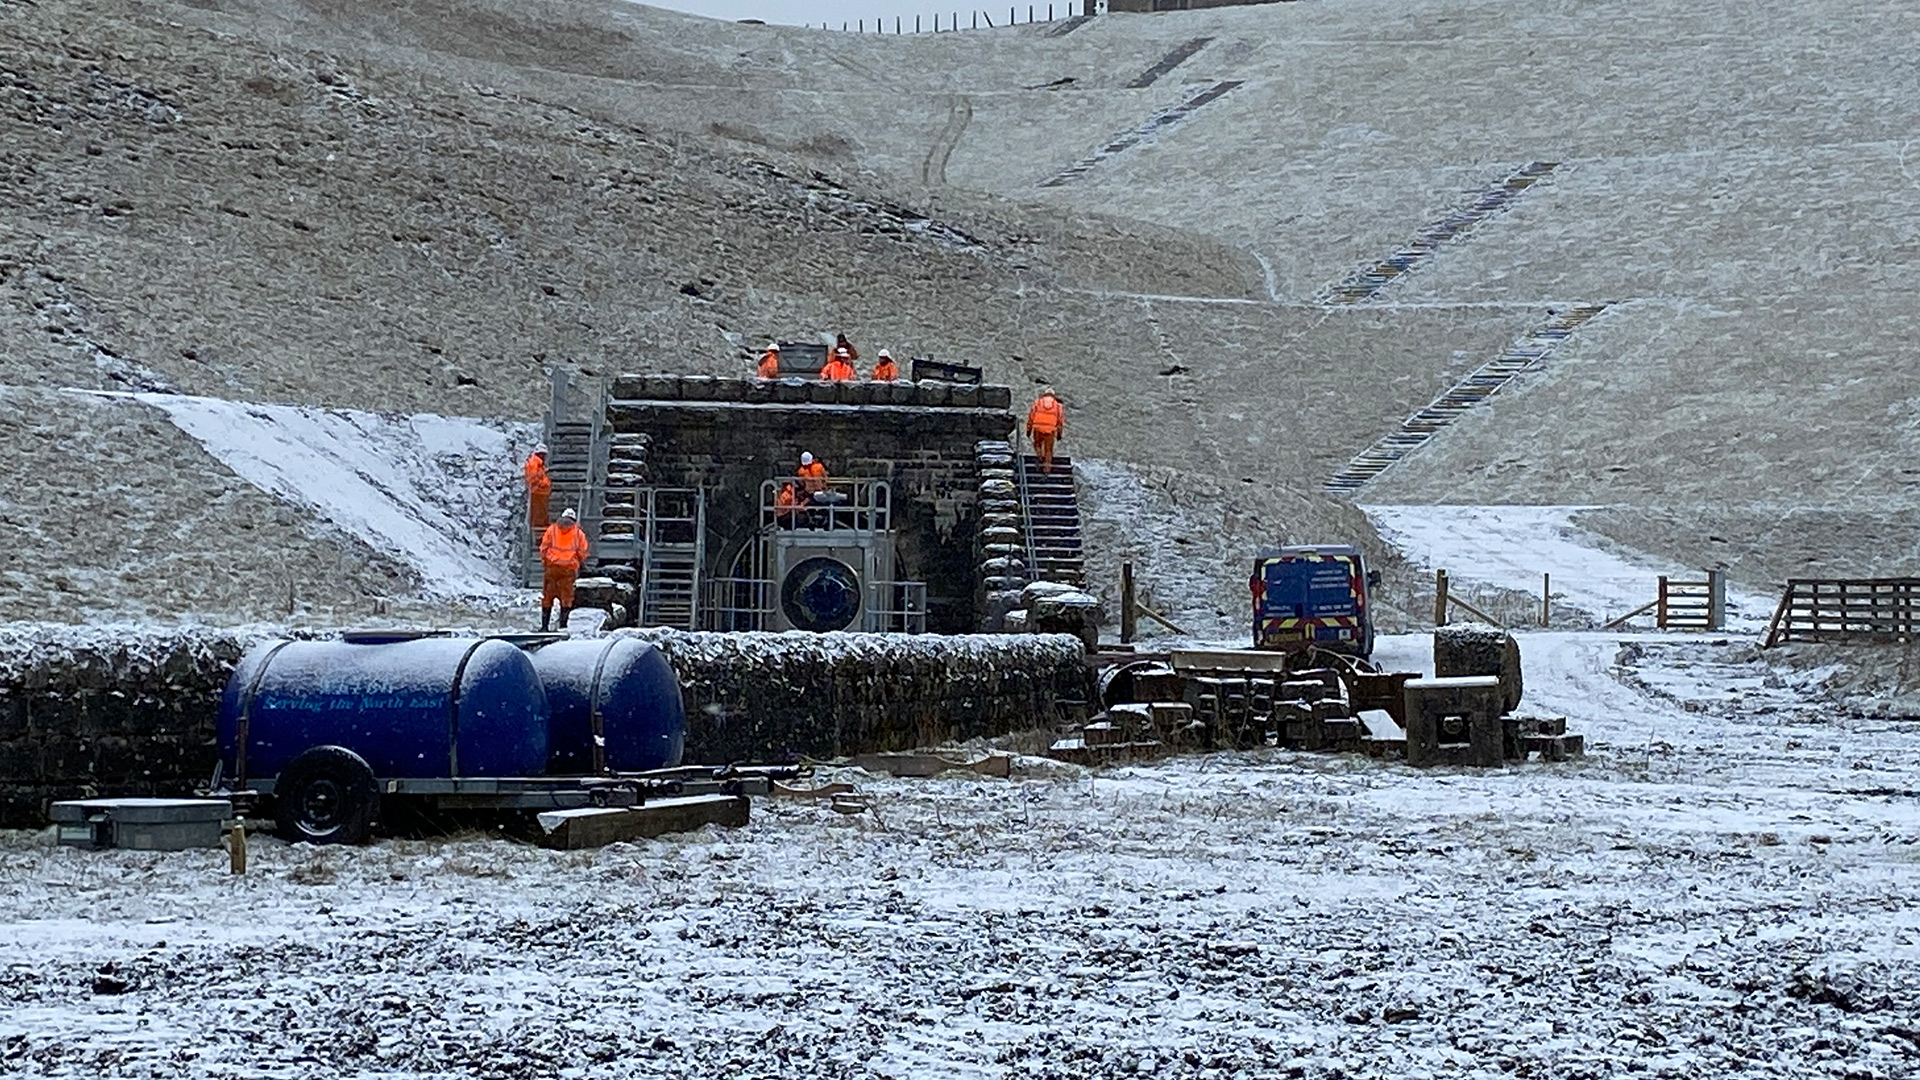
1002, 547
1465, 649
763, 696
102, 712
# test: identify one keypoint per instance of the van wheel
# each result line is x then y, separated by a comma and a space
327, 795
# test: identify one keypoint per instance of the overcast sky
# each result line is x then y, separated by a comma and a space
834, 12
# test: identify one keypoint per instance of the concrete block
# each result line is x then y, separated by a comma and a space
591, 827
141, 824
1454, 720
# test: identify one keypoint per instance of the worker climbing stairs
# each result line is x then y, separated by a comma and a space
570, 468
1051, 511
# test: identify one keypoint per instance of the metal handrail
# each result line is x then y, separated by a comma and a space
737, 603
865, 506
1031, 559
896, 607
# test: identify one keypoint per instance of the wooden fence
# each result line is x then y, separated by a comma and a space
1846, 609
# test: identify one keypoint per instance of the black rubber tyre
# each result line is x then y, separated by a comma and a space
327, 795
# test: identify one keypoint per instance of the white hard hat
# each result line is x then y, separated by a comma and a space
569, 515
773, 346
539, 448
806, 457
885, 355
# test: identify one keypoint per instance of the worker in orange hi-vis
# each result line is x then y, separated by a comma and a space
1045, 421
839, 367
885, 370
769, 362
783, 503
563, 550
812, 474
539, 486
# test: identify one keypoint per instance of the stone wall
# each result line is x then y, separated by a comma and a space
96, 713
729, 435
773, 697
88, 713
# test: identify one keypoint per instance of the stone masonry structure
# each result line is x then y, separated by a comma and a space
727, 436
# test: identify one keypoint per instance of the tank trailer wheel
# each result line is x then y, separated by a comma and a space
327, 795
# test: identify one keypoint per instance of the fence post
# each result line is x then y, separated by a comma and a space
1660, 608
1546, 599
1716, 600
1129, 618
1439, 598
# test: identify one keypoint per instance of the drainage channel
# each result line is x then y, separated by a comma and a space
1364, 284
1482, 384
1156, 124
1174, 59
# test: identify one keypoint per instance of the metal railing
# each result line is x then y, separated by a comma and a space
850, 505
896, 607
738, 603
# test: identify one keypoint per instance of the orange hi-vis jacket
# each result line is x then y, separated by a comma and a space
769, 365
886, 370
813, 477
563, 548
536, 470
1046, 417
837, 370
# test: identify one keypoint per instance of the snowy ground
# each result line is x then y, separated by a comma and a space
1723, 885
1512, 547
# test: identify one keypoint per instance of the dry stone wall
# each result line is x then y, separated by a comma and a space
99, 713
96, 713
781, 696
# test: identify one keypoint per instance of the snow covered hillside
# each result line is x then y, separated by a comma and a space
440, 494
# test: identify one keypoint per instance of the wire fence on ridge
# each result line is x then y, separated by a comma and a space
1069, 13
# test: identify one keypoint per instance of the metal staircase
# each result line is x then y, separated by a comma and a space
575, 427
1051, 511
663, 532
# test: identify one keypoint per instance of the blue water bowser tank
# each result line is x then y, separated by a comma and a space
634, 690
412, 707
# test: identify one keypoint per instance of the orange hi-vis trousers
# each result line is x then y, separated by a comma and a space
557, 584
